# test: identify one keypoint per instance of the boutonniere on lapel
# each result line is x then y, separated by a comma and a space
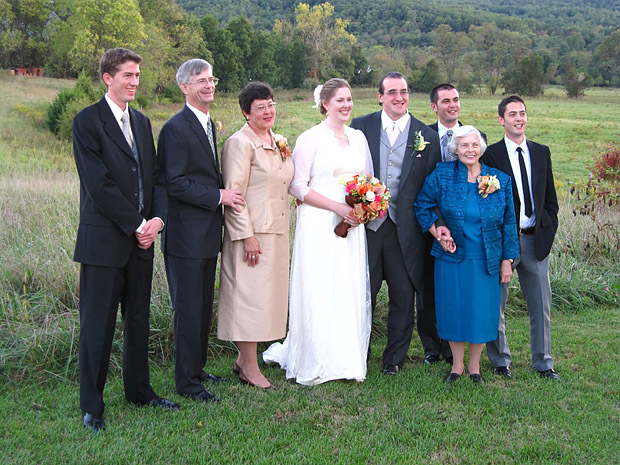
218, 126
487, 185
282, 144
419, 144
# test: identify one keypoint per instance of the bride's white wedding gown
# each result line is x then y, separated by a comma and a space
329, 307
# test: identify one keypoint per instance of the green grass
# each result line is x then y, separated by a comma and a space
411, 418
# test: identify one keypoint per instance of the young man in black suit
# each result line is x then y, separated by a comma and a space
536, 208
193, 235
121, 206
396, 244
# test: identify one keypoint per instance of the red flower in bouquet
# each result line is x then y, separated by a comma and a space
368, 197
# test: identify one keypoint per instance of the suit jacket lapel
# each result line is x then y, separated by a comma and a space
373, 137
538, 180
503, 164
409, 154
112, 127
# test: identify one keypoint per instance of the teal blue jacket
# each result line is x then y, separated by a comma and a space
446, 188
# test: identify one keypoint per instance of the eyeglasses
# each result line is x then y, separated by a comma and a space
394, 92
204, 82
264, 108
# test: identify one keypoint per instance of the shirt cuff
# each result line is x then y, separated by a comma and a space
139, 230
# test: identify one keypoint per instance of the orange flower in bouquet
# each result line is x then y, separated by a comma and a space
368, 197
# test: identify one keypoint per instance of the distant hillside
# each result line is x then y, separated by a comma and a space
402, 23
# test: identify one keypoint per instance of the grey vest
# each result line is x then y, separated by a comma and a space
391, 160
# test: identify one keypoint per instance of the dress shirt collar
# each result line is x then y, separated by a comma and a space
116, 111
441, 129
203, 118
401, 123
511, 146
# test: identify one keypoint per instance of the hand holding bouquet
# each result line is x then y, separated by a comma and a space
368, 198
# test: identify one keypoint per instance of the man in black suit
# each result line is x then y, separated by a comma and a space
121, 204
396, 244
193, 235
536, 208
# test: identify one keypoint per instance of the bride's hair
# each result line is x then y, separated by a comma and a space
329, 89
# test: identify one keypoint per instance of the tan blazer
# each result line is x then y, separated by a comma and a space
257, 170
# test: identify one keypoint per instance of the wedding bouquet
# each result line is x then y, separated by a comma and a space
368, 198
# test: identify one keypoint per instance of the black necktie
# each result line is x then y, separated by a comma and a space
525, 183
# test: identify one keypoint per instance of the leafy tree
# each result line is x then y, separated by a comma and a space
226, 54
325, 37
607, 57
498, 48
525, 77
575, 82
91, 28
449, 47
22, 32
427, 78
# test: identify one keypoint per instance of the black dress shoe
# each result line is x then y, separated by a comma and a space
502, 371
476, 378
204, 396
452, 378
93, 423
389, 369
163, 403
549, 374
431, 359
213, 379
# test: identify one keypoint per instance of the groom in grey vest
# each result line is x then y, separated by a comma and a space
396, 244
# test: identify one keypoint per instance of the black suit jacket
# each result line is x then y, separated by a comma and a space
543, 189
108, 173
435, 127
193, 182
416, 167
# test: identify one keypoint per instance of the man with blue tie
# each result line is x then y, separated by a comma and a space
536, 208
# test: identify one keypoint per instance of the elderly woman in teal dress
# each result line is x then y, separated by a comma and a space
476, 203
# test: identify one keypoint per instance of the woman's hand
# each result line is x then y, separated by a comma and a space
347, 214
252, 250
505, 272
448, 244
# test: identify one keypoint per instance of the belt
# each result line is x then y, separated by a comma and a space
529, 230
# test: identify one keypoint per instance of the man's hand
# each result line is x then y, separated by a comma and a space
149, 233
233, 198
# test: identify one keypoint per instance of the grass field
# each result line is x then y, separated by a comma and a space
411, 418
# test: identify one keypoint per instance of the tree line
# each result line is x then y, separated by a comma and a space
483, 50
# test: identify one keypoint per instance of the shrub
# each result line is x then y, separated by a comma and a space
68, 103
599, 197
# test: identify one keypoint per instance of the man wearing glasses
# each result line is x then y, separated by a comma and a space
192, 236
404, 151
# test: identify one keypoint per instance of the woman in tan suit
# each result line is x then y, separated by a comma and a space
253, 300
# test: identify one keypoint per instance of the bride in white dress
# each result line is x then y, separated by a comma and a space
330, 307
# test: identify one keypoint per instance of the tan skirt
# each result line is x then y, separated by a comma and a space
253, 301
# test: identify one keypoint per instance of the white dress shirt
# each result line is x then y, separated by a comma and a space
513, 156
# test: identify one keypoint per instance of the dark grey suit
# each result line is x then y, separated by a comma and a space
191, 240
533, 265
396, 252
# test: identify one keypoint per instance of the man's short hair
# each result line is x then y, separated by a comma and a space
390, 75
437, 88
111, 60
191, 68
501, 108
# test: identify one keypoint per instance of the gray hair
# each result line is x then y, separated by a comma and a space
463, 131
191, 68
